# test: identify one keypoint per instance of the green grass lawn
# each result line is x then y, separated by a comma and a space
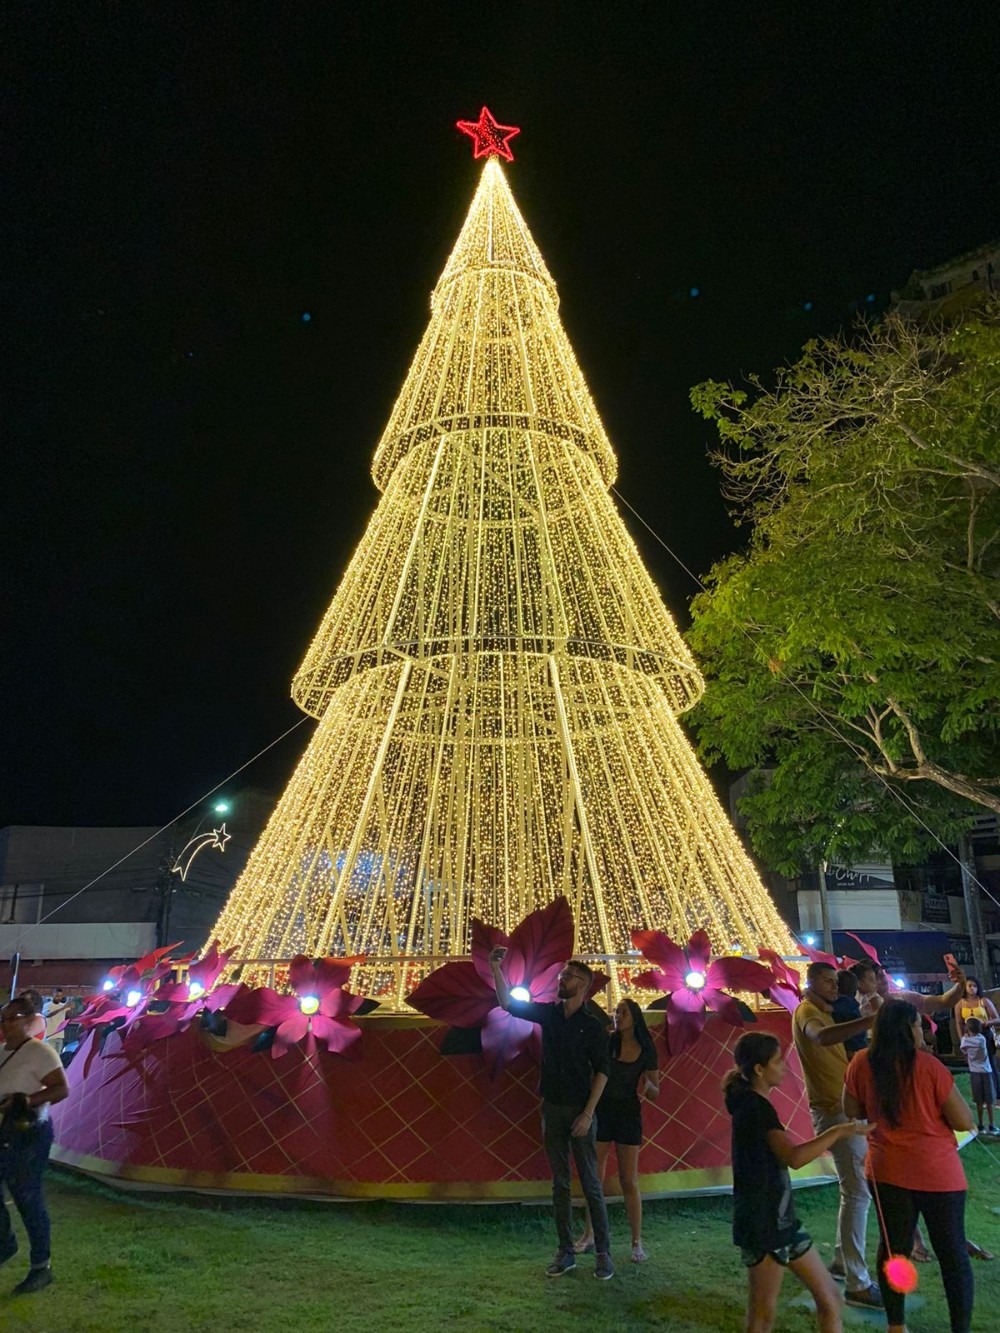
152, 1262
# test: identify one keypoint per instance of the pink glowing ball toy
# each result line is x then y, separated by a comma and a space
900, 1274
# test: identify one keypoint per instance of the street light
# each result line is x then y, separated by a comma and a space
179, 863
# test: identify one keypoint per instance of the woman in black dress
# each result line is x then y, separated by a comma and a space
619, 1115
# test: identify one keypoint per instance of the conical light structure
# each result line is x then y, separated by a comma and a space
497, 680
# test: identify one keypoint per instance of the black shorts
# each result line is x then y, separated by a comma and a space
797, 1246
619, 1123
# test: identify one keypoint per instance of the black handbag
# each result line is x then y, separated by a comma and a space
19, 1116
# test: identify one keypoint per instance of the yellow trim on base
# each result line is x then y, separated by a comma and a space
662, 1184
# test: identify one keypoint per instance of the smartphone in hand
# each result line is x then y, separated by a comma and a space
950, 962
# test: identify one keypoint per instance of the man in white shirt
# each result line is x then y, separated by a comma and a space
56, 1012
31, 1080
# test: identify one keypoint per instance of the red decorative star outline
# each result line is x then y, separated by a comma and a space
491, 139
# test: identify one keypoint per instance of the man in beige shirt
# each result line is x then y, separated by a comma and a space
819, 1043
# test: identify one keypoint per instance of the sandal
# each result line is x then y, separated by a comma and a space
977, 1251
638, 1253
920, 1255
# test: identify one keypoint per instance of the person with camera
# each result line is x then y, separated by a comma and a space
31, 1080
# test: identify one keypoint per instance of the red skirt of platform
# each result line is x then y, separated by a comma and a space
403, 1122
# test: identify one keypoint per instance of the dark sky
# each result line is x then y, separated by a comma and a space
187, 466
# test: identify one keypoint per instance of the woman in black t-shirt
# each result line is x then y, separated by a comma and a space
619, 1115
764, 1223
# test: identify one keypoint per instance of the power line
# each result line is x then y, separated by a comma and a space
138, 847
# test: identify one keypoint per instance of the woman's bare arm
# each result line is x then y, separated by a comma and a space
956, 1111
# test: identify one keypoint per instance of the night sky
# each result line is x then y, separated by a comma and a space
187, 459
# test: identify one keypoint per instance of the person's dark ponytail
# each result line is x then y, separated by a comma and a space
752, 1049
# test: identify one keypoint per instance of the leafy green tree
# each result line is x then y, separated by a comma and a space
853, 649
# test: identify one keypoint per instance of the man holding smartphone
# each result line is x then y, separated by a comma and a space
574, 1073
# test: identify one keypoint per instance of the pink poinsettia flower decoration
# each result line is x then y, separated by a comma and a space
822, 956
319, 1007
129, 988
869, 949
819, 956
695, 982
462, 994
786, 987
184, 999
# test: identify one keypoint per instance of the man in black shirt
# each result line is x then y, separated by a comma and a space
574, 1072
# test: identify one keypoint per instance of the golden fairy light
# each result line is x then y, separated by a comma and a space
497, 680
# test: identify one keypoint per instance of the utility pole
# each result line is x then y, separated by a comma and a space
165, 888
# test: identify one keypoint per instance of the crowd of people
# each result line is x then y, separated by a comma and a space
884, 1108
887, 1111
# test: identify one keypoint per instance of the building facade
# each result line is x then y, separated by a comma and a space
76, 901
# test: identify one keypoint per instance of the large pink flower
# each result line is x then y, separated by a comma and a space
184, 999
819, 956
132, 987
695, 982
462, 994
786, 987
320, 1007
869, 949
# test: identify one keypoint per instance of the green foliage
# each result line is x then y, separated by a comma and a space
853, 650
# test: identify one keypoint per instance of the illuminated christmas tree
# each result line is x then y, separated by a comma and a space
497, 681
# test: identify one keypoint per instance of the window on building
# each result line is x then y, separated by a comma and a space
940, 289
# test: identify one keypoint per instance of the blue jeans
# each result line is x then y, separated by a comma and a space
557, 1122
22, 1164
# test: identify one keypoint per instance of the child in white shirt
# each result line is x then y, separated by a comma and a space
980, 1072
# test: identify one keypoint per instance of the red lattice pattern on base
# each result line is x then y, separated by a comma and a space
402, 1122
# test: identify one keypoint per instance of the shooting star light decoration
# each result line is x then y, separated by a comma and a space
218, 838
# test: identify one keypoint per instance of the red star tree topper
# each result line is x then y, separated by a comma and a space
490, 138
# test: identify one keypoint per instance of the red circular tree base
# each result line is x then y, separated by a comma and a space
403, 1122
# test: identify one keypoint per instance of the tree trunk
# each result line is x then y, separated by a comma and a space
824, 906
974, 911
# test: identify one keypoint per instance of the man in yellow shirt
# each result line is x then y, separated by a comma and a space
819, 1043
